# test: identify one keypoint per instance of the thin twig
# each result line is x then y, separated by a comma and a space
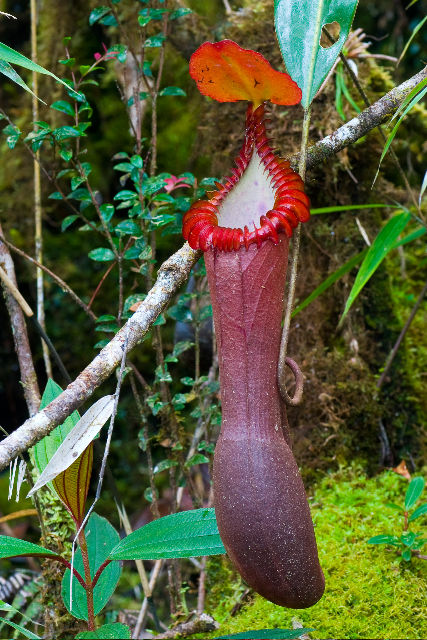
293, 275
401, 336
101, 283
57, 279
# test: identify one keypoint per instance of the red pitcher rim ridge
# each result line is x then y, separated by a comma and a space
201, 223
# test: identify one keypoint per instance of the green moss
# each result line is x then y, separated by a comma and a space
369, 594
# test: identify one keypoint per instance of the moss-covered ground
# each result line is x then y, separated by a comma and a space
369, 592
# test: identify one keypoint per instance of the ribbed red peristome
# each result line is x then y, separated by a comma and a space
200, 224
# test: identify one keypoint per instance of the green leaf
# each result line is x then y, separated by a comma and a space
68, 62
267, 634
187, 381
62, 133
128, 227
390, 138
115, 631
10, 72
172, 91
13, 547
107, 212
406, 554
391, 505
179, 13
339, 273
420, 511
410, 237
148, 494
376, 254
351, 207
13, 135
393, 540
164, 464
55, 196
97, 14
413, 492
80, 194
299, 26
76, 181
413, 34
101, 255
106, 318
180, 313
101, 539
13, 57
408, 538
204, 313
131, 300
182, 346
181, 535
23, 630
67, 222
125, 195
46, 448
108, 21
155, 41
198, 458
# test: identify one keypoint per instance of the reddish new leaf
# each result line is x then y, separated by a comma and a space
72, 485
226, 72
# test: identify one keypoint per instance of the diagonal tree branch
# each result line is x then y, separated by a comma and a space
377, 114
20, 336
172, 274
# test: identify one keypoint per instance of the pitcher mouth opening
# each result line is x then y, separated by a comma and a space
263, 190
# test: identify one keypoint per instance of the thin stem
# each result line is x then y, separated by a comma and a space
57, 279
100, 284
401, 336
294, 269
202, 588
88, 579
37, 193
153, 164
119, 315
100, 570
144, 423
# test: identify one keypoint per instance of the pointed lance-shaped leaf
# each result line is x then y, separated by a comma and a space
13, 57
72, 485
226, 72
299, 27
77, 440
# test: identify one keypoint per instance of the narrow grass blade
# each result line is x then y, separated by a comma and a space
382, 244
13, 57
397, 125
351, 207
423, 188
413, 34
339, 273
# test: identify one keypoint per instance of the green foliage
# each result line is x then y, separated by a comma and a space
408, 542
101, 538
301, 22
267, 634
382, 244
12, 547
115, 631
181, 535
